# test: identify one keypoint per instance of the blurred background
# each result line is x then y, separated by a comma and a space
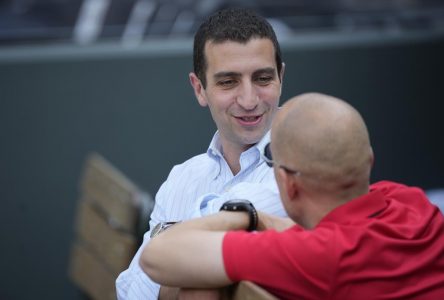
111, 76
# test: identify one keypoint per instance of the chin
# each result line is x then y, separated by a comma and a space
252, 139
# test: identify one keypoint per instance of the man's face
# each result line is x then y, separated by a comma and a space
243, 90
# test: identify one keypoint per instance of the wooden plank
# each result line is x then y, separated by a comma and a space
117, 196
90, 275
115, 248
246, 290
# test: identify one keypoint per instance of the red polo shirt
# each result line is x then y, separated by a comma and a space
387, 244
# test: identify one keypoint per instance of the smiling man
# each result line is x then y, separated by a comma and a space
242, 91
238, 74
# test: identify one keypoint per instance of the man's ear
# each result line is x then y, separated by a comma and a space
198, 89
289, 184
372, 157
281, 75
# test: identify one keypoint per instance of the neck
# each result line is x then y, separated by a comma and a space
233, 163
232, 155
318, 206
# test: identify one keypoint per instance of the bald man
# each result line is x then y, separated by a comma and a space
345, 238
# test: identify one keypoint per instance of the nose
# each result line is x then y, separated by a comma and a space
248, 97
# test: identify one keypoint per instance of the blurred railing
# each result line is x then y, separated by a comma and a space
133, 21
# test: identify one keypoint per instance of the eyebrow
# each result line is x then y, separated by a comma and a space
223, 74
270, 71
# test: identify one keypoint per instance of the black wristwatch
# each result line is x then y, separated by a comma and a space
243, 205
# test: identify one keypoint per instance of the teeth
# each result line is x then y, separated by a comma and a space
249, 119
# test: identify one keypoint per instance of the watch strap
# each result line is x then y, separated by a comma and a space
243, 205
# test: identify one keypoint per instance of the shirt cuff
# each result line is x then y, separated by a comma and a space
203, 206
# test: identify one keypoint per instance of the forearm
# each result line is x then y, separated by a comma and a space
267, 221
219, 222
168, 293
179, 257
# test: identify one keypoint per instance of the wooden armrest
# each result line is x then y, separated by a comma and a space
246, 290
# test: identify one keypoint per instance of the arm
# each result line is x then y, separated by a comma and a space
267, 221
133, 283
189, 254
206, 294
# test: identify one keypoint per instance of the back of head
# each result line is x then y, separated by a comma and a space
326, 139
232, 24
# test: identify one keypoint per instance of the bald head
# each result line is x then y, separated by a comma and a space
325, 139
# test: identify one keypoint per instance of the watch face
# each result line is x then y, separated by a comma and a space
243, 205
237, 205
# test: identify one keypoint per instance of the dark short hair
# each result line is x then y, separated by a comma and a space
232, 24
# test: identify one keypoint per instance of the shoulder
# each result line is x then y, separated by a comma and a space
198, 168
196, 163
398, 190
184, 184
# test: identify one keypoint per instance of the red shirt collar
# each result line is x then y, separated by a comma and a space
365, 206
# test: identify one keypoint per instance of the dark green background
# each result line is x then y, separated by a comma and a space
136, 108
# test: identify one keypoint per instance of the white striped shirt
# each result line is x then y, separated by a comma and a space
199, 187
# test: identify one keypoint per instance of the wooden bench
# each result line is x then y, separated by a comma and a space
246, 290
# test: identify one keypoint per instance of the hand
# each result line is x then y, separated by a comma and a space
267, 221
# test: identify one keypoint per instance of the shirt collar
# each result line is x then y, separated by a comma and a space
262, 143
215, 149
365, 206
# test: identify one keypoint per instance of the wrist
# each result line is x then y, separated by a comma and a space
234, 220
240, 205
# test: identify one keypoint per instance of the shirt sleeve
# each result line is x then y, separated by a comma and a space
290, 264
242, 250
134, 283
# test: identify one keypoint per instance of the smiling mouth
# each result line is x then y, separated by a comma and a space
249, 120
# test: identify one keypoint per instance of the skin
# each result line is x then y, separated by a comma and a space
334, 162
205, 270
242, 93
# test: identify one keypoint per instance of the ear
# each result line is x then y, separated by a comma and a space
281, 75
198, 89
289, 184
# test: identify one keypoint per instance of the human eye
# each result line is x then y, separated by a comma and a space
226, 83
264, 79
